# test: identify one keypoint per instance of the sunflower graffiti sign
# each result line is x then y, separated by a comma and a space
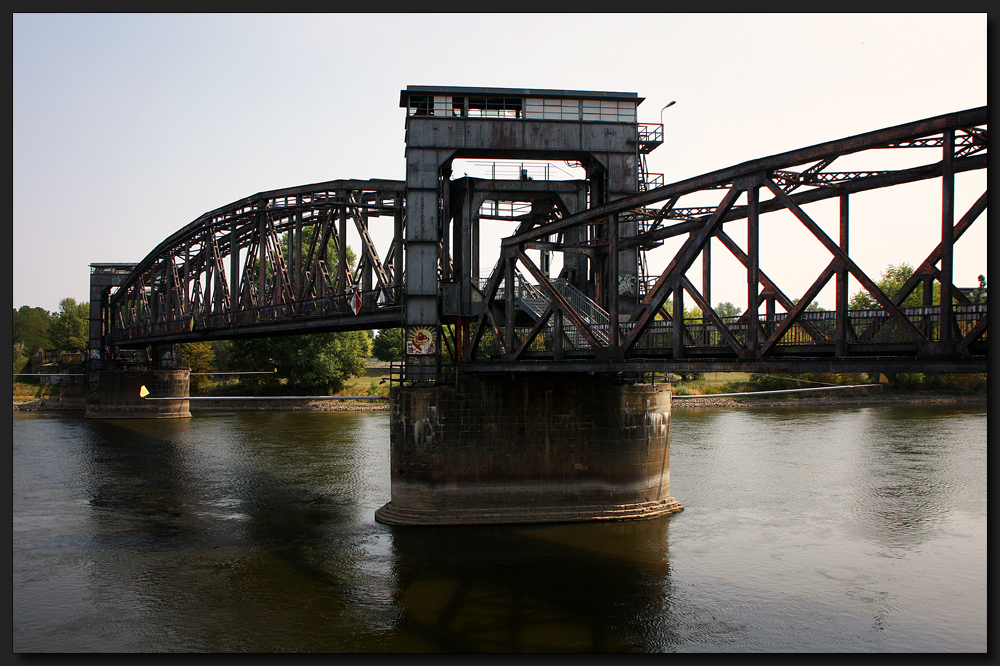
421, 341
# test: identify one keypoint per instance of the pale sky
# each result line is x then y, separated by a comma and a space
128, 127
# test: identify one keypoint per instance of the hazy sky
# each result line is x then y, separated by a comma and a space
128, 127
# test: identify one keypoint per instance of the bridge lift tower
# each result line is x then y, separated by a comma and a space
595, 130
494, 448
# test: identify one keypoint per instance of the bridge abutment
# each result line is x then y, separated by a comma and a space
552, 447
115, 394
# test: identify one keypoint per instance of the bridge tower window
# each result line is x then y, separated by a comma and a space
552, 109
495, 107
439, 106
419, 105
609, 111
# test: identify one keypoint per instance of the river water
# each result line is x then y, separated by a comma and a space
851, 529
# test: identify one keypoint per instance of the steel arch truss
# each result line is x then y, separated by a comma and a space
567, 332
274, 262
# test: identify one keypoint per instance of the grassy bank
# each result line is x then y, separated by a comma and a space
28, 391
949, 389
374, 382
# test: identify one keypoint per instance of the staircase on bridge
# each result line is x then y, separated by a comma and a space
532, 300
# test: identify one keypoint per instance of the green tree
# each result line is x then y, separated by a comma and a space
222, 350
199, 357
727, 309
331, 258
693, 312
319, 363
68, 327
812, 307
388, 344
31, 329
979, 295
892, 280
20, 360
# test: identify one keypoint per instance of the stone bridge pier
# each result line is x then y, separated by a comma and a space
532, 448
116, 394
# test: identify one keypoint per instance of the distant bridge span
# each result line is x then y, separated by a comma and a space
272, 263
278, 262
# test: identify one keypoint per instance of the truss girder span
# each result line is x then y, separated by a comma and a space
291, 260
776, 325
279, 262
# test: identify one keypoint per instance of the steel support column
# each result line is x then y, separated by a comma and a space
843, 322
947, 241
753, 270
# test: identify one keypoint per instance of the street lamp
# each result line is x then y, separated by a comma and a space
669, 104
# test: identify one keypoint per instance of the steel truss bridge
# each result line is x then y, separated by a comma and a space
273, 263
278, 262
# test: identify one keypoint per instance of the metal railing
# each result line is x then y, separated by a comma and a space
873, 329
650, 133
870, 327
519, 170
372, 300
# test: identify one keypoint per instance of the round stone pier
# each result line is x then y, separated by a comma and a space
532, 448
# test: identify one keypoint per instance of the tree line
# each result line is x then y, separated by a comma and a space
36, 329
315, 363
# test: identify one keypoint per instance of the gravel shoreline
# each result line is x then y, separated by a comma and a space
866, 401
288, 406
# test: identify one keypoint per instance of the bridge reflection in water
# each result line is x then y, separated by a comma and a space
510, 594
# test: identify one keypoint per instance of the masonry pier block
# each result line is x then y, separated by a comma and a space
114, 394
531, 448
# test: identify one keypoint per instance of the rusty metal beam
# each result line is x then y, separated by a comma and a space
669, 278
855, 270
849, 145
563, 305
800, 307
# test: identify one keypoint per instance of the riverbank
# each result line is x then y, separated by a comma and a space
56, 405
289, 405
699, 402
708, 402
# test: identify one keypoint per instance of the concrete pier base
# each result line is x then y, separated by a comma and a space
529, 449
114, 394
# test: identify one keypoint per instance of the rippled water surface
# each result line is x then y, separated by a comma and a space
849, 529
